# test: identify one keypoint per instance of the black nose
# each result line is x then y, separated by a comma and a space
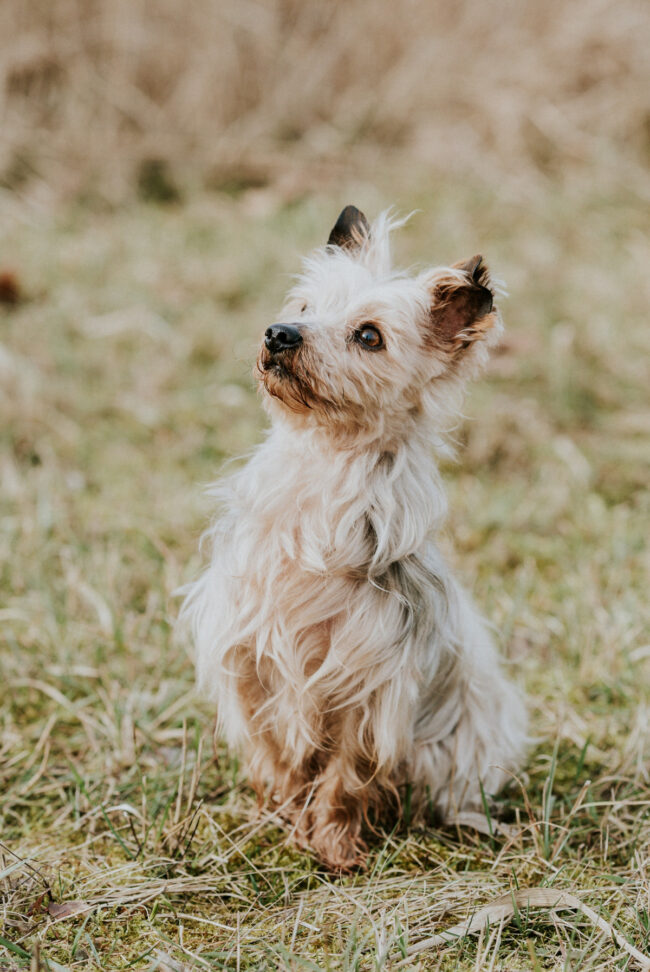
282, 337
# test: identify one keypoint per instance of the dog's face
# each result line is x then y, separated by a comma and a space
358, 345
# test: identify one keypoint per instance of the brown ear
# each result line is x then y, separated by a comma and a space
351, 229
461, 308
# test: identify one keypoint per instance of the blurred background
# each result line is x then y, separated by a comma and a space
163, 167
112, 96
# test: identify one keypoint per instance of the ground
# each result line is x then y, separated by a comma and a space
125, 382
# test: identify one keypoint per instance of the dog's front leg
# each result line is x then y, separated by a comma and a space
330, 823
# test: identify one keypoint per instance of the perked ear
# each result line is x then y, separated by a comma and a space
462, 305
351, 229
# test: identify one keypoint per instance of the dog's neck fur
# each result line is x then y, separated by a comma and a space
353, 510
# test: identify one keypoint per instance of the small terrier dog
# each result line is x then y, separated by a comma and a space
344, 658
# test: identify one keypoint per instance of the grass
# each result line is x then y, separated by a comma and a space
124, 384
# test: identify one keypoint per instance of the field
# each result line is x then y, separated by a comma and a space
125, 383
138, 270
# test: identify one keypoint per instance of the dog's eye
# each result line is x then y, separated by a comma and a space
303, 308
370, 337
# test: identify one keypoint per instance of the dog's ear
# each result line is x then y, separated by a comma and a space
462, 306
351, 229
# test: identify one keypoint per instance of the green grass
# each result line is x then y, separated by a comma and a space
124, 384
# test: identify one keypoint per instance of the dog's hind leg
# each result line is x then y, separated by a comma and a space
470, 733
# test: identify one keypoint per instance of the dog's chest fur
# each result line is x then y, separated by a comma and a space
336, 583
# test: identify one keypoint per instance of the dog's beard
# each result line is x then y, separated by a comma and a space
291, 379
288, 379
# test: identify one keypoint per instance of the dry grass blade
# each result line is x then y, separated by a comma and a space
505, 907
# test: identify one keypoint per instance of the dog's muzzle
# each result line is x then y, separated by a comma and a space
282, 337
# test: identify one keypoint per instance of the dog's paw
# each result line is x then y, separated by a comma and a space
341, 853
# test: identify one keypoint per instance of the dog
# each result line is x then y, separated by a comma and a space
345, 660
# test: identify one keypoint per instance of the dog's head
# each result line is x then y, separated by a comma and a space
359, 346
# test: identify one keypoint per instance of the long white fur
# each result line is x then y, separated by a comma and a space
324, 569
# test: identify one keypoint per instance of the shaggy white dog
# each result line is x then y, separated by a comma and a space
343, 657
